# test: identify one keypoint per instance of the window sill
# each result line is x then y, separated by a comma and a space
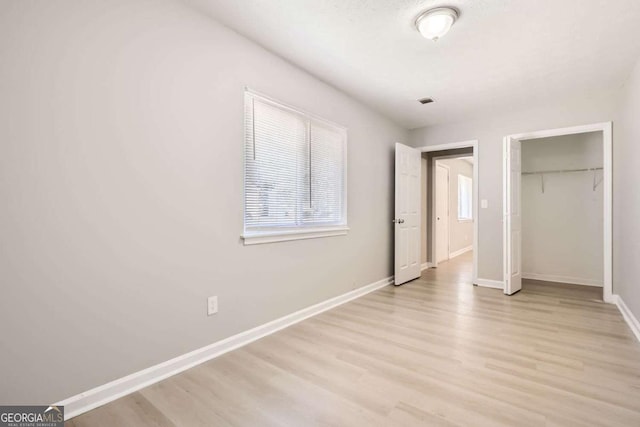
259, 237
465, 220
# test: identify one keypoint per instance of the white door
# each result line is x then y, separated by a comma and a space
407, 219
442, 212
512, 217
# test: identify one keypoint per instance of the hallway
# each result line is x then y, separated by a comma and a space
458, 270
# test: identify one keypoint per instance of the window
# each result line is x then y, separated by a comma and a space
465, 198
295, 174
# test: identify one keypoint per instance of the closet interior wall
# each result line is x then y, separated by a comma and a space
562, 209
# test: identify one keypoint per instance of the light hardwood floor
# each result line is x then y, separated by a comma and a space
436, 351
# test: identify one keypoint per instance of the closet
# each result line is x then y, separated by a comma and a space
562, 209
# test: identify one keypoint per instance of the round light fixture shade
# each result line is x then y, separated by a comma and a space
435, 23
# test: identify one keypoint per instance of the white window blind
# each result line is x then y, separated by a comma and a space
465, 198
295, 171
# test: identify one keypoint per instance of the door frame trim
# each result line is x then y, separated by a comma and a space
473, 143
607, 158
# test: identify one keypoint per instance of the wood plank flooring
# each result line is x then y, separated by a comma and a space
437, 351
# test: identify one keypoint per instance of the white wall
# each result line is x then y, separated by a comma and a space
121, 129
562, 227
460, 232
490, 130
626, 197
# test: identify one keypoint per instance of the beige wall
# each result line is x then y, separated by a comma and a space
489, 130
460, 232
626, 196
562, 227
121, 178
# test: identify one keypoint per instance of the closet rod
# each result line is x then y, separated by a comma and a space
562, 171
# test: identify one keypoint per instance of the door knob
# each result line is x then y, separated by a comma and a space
399, 221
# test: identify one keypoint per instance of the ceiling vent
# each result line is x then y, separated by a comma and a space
425, 101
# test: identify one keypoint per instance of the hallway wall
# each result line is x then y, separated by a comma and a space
427, 198
460, 232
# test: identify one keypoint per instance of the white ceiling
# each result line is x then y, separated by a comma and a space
500, 55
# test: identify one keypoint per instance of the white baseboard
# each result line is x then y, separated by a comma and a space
631, 320
426, 265
460, 251
113, 390
487, 283
563, 279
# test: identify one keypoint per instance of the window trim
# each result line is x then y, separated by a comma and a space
271, 236
282, 234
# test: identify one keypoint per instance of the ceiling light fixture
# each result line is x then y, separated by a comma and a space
435, 23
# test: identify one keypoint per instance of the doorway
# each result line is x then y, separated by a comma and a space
587, 180
449, 176
414, 225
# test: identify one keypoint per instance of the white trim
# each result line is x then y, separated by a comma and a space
563, 279
506, 224
460, 252
450, 146
595, 127
487, 283
476, 190
259, 237
476, 204
113, 390
607, 142
607, 151
425, 266
631, 320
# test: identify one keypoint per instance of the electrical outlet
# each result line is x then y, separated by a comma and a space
212, 305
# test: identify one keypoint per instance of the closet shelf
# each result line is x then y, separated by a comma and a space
561, 171
596, 182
